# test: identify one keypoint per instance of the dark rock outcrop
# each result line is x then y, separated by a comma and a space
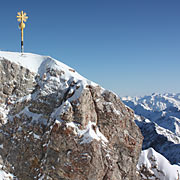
57, 128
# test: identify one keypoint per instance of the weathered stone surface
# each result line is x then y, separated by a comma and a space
64, 132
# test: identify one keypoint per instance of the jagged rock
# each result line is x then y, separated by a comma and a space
57, 125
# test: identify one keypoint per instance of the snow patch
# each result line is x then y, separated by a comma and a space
5, 175
35, 117
88, 134
25, 98
36, 136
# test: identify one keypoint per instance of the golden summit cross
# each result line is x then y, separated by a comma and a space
22, 17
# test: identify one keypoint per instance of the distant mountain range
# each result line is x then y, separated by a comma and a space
158, 117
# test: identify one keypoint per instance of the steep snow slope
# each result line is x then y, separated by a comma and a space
153, 165
158, 117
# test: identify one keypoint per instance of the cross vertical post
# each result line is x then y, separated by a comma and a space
22, 17
22, 41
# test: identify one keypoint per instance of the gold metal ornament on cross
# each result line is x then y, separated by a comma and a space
22, 17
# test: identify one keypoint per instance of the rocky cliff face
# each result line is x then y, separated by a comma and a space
55, 124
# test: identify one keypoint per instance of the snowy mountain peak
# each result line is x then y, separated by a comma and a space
40, 64
56, 124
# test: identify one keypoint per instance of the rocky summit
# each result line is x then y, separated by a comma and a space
57, 125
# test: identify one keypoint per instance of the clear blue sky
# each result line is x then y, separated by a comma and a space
131, 47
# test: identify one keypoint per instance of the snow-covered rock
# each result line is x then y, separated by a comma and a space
5, 175
56, 124
153, 165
